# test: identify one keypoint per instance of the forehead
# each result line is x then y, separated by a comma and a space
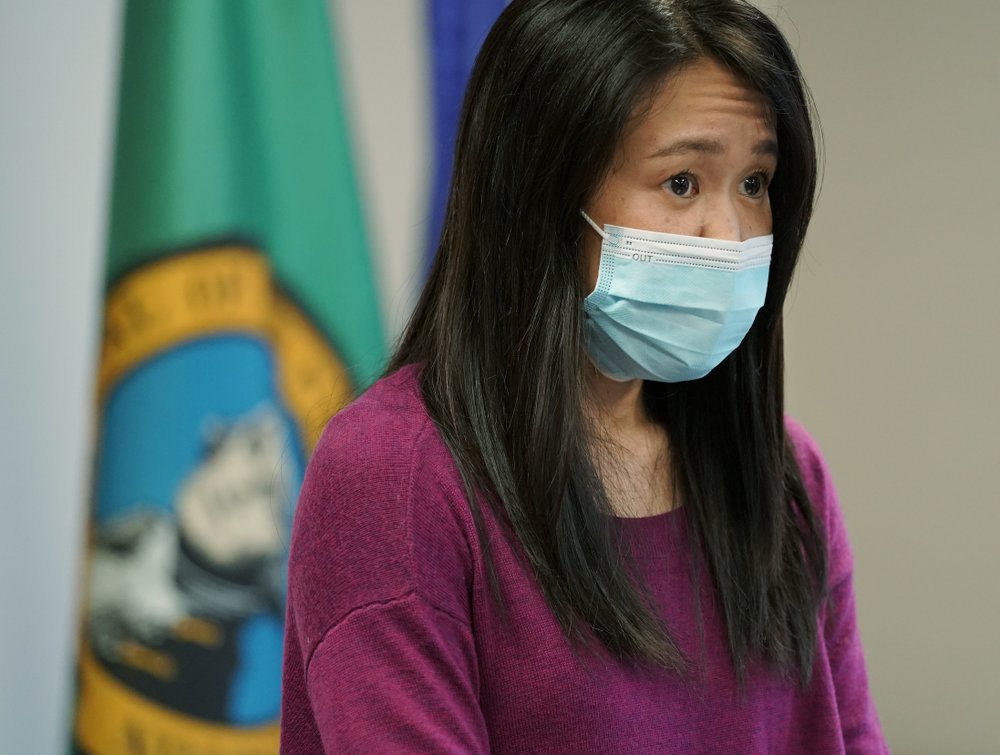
703, 100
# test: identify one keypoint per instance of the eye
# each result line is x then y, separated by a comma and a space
755, 185
682, 185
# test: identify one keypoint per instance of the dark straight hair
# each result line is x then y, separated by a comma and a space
499, 331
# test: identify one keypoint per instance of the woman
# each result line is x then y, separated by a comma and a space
572, 516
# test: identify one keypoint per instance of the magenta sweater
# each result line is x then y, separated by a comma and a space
394, 643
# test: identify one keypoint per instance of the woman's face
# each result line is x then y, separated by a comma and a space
697, 163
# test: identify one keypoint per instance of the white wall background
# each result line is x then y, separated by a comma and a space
892, 344
57, 69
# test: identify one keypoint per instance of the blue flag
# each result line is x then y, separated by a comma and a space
457, 30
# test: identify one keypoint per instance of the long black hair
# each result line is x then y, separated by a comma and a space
499, 330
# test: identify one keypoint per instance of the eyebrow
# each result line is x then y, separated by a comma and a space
711, 147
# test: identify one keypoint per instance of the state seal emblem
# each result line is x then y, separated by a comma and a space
212, 390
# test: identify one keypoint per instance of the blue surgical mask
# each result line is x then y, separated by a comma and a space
671, 308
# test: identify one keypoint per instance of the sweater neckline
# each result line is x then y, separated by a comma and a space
644, 525
673, 513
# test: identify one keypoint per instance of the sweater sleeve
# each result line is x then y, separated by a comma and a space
379, 656
397, 677
860, 725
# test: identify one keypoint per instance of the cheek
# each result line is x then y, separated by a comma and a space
764, 223
755, 220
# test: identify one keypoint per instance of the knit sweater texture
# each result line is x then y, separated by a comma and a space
395, 644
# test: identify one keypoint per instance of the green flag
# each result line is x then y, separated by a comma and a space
239, 315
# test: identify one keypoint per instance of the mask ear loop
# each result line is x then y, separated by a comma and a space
600, 231
602, 234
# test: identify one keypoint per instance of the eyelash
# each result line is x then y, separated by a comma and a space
763, 174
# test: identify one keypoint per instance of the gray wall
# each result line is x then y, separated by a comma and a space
894, 327
891, 337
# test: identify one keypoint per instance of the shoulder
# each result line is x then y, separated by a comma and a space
368, 446
815, 472
816, 477
380, 513
823, 495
